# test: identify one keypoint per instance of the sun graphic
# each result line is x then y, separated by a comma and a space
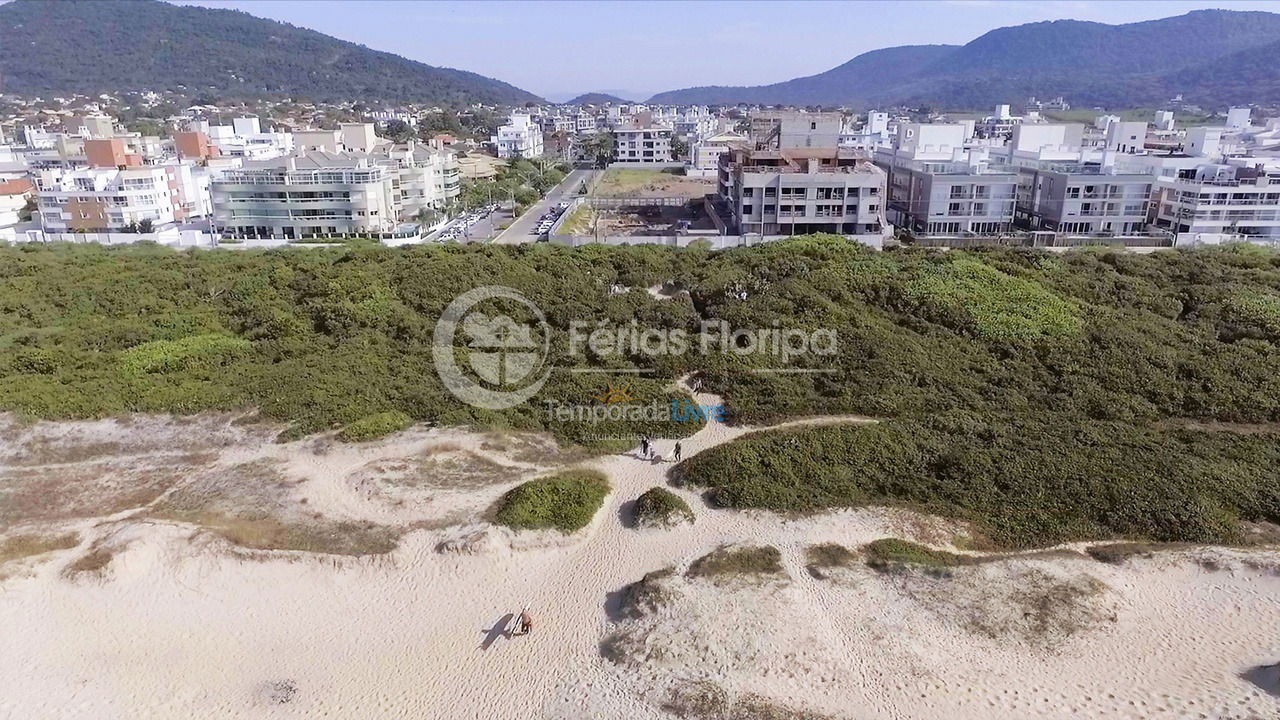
616, 394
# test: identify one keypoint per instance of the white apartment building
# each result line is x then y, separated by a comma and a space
643, 143
1000, 124
111, 199
1066, 187
706, 152
244, 138
316, 195
695, 123
519, 138
793, 191
939, 185
1207, 202
424, 177
322, 194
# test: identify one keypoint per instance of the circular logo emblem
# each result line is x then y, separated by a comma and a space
484, 357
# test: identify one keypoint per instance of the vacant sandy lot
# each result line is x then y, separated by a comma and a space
213, 573
626, 182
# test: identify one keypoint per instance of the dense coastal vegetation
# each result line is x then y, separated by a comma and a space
324, 337
1021, 481
1042, 397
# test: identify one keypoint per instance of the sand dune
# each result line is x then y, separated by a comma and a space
180, 622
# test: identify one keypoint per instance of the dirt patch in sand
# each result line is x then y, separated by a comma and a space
708, 701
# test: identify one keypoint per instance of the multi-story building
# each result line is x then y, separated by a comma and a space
315, 195
243, 138
1082, 198
1208, 200
643, 142
1068, 188
939, 186
424, 177
694, 123
794, 191
110, 199
322, 194
519, 138
14, 195
793, 129
707, 152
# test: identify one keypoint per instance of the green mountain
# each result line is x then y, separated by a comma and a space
94, 46
862, 76
597, 98
1197, 55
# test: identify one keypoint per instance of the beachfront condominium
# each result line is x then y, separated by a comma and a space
520, 137
1066, 187
328, 194
792, 191
425, 178
315, 195
941, 183
114, 198
1204, 201
643, 142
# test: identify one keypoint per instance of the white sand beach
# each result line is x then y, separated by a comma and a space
169, 619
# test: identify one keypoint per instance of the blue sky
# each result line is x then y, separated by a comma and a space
559, 49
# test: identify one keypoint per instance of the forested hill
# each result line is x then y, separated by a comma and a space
97, 46
1212, 57
597, 98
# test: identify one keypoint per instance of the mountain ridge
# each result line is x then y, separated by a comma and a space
214, 50
1087, 62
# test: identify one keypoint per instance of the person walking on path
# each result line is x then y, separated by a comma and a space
645, 447
677, 452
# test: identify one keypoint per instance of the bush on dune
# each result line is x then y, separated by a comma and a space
564, 502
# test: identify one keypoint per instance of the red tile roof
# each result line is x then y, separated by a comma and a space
16, 187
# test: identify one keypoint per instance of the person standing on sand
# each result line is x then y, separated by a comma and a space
644, 447
677, 452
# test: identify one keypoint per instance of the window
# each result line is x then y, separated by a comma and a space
747, 209
748, 192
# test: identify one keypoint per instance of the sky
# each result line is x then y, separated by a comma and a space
638, 48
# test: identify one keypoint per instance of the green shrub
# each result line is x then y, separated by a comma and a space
564, 502
659, 507
375, 426
1256, 310
888, 553
1023, 480
738, 562
185, 354
999, 306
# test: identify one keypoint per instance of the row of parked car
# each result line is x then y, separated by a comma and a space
460, 225
549, 218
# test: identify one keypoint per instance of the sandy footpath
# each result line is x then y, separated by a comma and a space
182, 624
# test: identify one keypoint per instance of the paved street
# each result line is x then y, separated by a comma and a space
521, 231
